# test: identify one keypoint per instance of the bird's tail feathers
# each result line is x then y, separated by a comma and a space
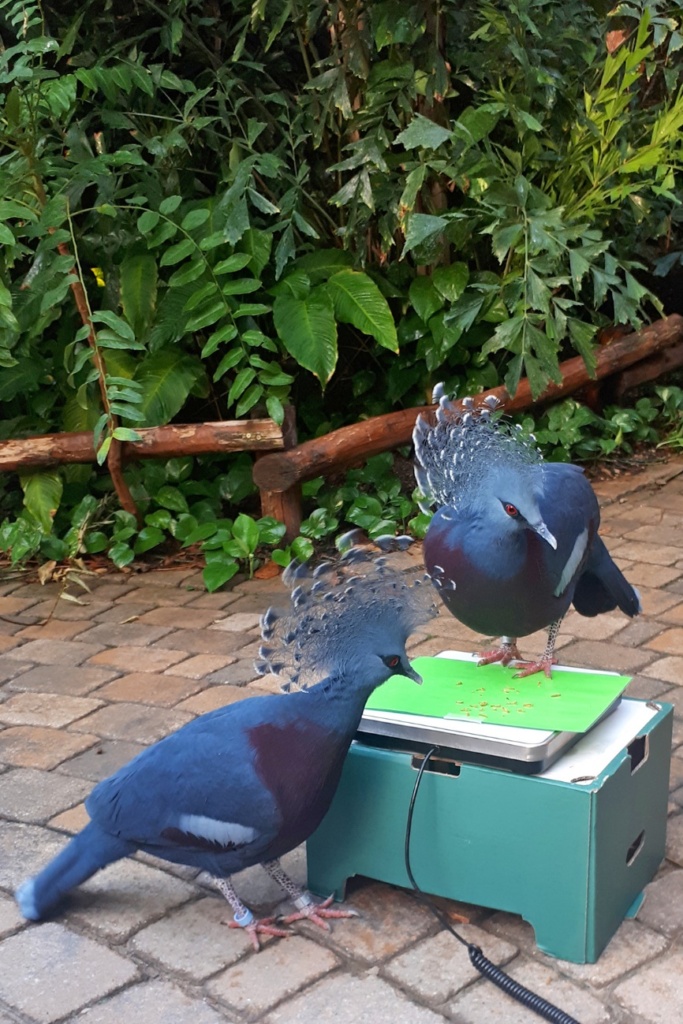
87, 852
602, 586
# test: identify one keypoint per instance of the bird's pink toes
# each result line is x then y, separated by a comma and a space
318, 913
530, 668
262, 927
504, 655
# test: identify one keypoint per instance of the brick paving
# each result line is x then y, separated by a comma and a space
84, 687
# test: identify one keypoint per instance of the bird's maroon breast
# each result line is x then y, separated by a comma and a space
300, 764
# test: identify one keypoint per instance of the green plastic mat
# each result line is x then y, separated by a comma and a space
570, 701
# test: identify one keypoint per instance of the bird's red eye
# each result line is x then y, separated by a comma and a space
511, 510
393, 661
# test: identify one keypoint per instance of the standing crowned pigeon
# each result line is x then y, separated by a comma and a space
514, 540
247, 783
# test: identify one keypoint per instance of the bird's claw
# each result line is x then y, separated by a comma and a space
503, 654
530, 668
317, 913
262, 927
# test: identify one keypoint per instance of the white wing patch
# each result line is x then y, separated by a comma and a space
573, 562
222, 832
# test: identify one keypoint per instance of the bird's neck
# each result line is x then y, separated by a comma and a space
338, 701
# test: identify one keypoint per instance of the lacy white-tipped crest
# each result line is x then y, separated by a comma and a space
341, 608
463, 446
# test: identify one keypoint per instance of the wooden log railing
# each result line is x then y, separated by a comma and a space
282, 466
279, 475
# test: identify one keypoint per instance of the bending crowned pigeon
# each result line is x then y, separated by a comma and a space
514, 540
247, 783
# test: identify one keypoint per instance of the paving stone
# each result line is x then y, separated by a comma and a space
55, 652
176, 578
32, 796
483, 1003
156, 596
218, 600
123, 613
101, 760
658, 553
656, 532
642, 688
194, 941
10, 670
674, 839
46, 709
437, 968
28, 746
642, 574
71, 821
14, 605
346, 999
76, 682
53, 629
672, 616
24, 849
596, 628
48, 972
609, 656
10, 918
179, 618
65, 611
279, 971
124, 897
8, 643
203, 641
136, 722
240, 672
675, 773
389, 921
153, 1002
670, 641
668, 669
125, 634
637, 632
239, 622
662, 908
655, 993
217, 697
632, 945
138, 659
655, 602
150, 688
203, 665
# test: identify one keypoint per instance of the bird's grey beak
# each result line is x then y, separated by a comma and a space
409, 671
543, 531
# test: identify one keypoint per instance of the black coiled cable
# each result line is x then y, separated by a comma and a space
481, 963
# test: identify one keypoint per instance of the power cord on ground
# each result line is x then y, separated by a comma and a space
480, 962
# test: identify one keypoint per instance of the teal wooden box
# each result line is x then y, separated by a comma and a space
570, 858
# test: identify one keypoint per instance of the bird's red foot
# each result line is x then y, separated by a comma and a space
503, 654
264, 926
318, 913
530, 668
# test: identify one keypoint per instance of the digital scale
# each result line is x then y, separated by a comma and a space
510, 747
563, 826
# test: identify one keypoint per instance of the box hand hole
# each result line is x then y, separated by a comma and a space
635, 848
638, 751
437, 765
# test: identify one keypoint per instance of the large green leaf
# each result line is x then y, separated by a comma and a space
308, 331
422, 226
358, 301
138, 291
166, 378
42, 495
423, 133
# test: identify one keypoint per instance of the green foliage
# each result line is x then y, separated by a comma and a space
330, 205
